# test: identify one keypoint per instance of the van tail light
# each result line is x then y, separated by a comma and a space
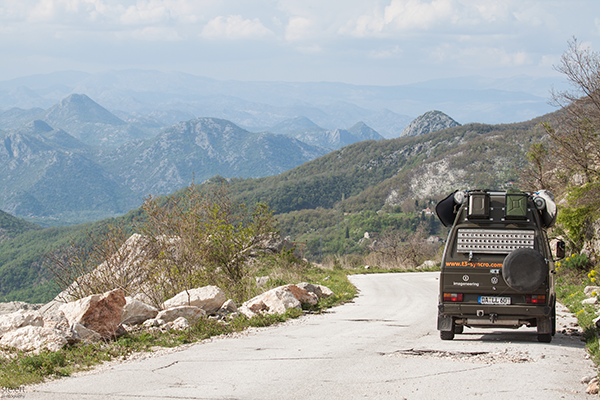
535, 298
453, 297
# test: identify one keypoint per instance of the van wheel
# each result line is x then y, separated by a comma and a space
458, 329
544, 337
446, 335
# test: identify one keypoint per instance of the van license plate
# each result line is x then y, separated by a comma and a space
494, 300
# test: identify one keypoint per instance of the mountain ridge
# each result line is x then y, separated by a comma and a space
431, 121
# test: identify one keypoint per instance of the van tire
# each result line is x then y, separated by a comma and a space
447, 335
544, 337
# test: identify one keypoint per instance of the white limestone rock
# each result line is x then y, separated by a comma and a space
19, 319
228, 307
191, 313
592, 387
180, 324
262, 280
208, 298
153, 322
136, 312
591, 300
588, 290
274, 301
60, 322
34, 338
84, 334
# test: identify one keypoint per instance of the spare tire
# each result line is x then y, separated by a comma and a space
524, 269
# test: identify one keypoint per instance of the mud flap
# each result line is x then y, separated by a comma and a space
444, 323
544, 325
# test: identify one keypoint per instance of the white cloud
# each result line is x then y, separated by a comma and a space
44, 10
481, 56
147, 13
415, 14
417, 35
235, 27
299, 28
313, 49
159, 11
127, 12
387, 53
156, 34
438, 16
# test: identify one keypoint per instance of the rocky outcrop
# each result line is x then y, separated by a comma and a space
431, 121
29, 331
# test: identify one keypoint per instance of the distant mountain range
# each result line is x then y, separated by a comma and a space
77, 161
306, 131
147, 98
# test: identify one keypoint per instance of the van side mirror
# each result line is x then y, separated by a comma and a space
560, 249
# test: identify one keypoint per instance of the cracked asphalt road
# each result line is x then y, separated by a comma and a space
384, 345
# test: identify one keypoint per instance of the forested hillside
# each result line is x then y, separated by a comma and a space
11, 227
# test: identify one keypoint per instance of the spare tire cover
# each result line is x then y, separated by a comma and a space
524, 269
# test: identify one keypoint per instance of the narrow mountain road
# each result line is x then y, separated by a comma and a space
384, 345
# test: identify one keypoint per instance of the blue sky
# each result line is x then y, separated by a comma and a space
379, 42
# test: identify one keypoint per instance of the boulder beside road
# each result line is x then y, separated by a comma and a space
283, 298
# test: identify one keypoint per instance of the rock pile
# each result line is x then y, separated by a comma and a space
109, 315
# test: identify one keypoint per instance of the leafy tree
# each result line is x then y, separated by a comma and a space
574, 143
536, 174
575, 133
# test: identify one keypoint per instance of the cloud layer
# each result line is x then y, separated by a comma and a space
361, 41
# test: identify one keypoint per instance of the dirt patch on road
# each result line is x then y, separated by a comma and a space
483, 357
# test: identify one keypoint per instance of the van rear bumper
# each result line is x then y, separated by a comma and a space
486, 316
